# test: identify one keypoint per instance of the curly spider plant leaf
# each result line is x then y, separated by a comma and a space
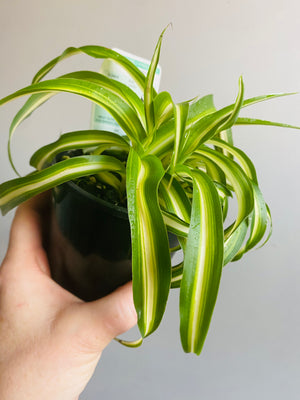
203, 262
163, 141
14, 192
163, 109
175, 198
98, 52
258, 222
199, 134
36, 100
239, 155
241, 184
76, 140
260, 215
177, 272
201, 129
175, 224
232, 247
103, 91
151, 263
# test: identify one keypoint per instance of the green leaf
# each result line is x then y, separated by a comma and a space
238, 179
232, 246
75, 140
175, 224
255, 121
239, 155
164, 139
212, 169
227, 137
203, 263
177, 272
236, 109
176, 202
163, 109
14, 192
151, 263
213, 123
38, 99
96, 52
149, 93
200, 107
202, 129
234, 241
108, 99
180, 113
175, 198
259, 222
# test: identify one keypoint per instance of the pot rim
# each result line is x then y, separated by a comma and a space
118, 211
121, 212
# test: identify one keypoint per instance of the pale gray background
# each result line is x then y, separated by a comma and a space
252, 350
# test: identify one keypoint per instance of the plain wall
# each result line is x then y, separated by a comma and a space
252, 349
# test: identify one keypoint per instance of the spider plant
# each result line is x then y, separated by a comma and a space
180, 171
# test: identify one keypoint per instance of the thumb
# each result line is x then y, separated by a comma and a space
96, 323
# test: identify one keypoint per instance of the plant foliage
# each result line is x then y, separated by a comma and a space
181, 173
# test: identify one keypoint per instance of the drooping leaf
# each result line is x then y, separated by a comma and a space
238, 179
151, 263
203, 263
14, 192
239, 155
98, 52
258, 222
121, 111
234, 241
36, 100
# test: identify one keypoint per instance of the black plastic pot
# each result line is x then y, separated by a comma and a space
90, 243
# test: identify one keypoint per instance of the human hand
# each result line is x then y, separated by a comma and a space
50, 340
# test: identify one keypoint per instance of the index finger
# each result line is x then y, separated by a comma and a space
29, 227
